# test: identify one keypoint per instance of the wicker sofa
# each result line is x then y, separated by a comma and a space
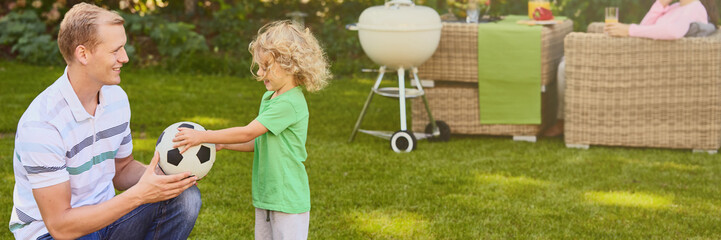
643, 93
454, 71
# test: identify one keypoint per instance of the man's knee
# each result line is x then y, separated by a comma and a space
189, 202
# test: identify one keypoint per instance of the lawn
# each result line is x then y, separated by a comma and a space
473, 187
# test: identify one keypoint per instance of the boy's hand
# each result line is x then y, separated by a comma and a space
187, 137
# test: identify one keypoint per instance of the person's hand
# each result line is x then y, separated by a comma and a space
219, 146
616, 29
665, 3
155, 188
187, 137
158, 170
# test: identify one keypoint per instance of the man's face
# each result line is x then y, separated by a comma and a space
105, 61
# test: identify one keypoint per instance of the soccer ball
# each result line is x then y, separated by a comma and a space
197, 160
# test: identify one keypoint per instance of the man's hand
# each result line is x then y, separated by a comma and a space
187, 138
154, 188
158, 170
616, 29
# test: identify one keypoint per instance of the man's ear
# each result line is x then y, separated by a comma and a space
81, 54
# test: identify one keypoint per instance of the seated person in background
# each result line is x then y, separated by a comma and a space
668, 21
663, 21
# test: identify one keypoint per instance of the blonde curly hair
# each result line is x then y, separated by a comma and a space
295, 51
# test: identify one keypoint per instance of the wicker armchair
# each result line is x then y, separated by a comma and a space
454, 70
643, 93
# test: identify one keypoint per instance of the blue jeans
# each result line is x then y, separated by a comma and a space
170, 219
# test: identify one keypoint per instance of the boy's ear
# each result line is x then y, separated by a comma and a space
81, 54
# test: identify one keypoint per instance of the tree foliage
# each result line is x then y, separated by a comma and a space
212, 36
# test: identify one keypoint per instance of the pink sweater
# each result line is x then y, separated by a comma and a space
670, 22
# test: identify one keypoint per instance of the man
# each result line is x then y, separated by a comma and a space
67, 140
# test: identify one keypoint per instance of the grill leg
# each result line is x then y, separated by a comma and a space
436, 132
367, 103
402, 96
360, 118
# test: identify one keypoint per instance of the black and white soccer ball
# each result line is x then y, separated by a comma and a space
197, 160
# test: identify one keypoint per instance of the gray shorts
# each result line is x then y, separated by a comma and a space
274, 225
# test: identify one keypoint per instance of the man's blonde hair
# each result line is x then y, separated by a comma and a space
80, 27
295, 51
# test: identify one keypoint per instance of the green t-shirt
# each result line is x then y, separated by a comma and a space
280, 182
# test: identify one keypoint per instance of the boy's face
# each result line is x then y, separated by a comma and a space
105, 61
272, 75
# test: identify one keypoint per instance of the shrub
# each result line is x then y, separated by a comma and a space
584, 12
214, 38
26, 33
233, 25
153, 35
176, 39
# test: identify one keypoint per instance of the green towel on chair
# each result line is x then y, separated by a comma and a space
509, 72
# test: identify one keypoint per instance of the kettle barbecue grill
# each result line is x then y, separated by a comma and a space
398, 36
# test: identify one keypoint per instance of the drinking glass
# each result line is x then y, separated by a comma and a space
472, 11
611, 15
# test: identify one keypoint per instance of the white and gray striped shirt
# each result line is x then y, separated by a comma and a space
58, 141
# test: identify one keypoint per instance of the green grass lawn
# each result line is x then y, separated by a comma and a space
473, 187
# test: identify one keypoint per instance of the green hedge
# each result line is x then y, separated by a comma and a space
215, 37
26, 38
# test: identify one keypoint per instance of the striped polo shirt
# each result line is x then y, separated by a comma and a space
58, 141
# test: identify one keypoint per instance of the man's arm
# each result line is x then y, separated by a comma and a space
65, 222
127, 172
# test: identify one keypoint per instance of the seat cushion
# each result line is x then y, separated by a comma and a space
699, 29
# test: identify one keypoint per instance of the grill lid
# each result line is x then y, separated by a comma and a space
399, 15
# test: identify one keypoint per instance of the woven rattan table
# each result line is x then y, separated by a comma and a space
453, 68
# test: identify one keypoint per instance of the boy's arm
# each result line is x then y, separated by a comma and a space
188, 137
240, 147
